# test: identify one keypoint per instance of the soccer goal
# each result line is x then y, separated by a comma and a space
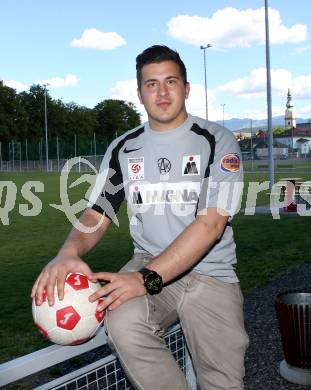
105, 373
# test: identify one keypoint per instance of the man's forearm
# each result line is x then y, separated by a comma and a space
79, 243
186, 250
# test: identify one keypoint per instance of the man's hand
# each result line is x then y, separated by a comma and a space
120, 288
54, 273
68, 259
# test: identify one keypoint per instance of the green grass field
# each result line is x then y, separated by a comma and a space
265, 248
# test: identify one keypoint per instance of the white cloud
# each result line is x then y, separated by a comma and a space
95, 39
301, 87
70, 80
127, 90
231, 27
196, 103
254, 84
16, 85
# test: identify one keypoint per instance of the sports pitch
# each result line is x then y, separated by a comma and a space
265, 248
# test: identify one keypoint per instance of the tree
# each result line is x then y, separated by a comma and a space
81, 120
8, 106
22, 116
278, 131
33, 103
114, 117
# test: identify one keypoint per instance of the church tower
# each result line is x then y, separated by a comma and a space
290, 120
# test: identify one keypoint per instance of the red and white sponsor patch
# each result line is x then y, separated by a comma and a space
230, 163
136, 168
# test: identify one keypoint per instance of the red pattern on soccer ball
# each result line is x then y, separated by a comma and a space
67, 318
42, 331
81, 341
78, 281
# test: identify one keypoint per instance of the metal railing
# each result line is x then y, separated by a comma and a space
105, 373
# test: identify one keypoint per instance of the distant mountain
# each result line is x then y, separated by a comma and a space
236, 124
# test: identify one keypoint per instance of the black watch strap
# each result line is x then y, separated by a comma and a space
145, 272
152, 281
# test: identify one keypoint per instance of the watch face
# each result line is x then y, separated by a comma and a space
153, 283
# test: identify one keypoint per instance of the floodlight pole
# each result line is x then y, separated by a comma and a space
13, 155
269, 101
252, 150
46, 130
57, 153
95, 149
204, 55
26, 150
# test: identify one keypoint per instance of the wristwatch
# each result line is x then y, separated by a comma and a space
152, 281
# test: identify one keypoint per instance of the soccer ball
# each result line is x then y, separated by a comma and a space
73, 320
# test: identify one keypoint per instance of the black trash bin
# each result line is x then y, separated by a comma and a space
293, 309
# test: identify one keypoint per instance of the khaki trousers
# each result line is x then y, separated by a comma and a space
211, 316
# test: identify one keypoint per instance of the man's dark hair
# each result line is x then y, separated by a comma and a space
157, 54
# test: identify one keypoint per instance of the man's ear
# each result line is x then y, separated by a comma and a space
187, 89
139, 96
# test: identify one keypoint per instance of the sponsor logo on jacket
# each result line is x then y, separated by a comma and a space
230, 163
148, 194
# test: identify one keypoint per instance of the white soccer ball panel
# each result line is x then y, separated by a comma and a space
85, 328
61, 336
79, 300
44, 315
84, 306
68, 300
94, 286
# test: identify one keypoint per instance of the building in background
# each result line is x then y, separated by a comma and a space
261, 151
291, 141
297, 136
290, 120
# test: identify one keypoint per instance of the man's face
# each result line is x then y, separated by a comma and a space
163, 95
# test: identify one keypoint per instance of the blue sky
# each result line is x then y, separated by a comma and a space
86, 50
